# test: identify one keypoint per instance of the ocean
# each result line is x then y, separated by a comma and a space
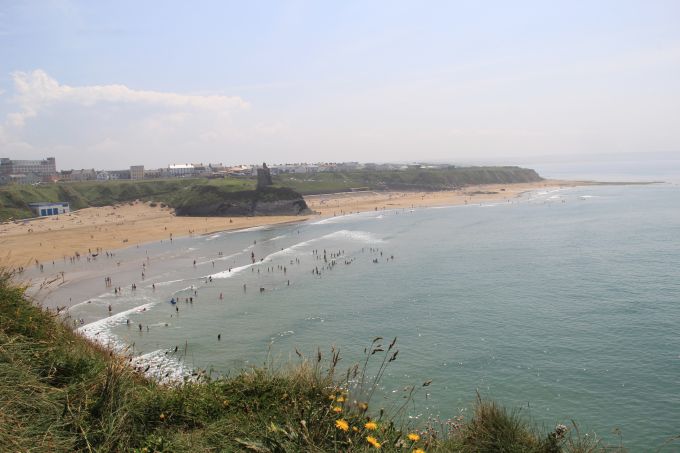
563, 304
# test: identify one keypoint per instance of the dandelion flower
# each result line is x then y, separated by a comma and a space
418, 450
336, 409
342, 424
414, 437
371, 426
373, 441
340, 399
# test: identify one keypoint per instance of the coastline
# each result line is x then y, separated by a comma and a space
110, 228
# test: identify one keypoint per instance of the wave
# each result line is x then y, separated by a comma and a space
275, 238
169, 282
255, 228
360, 236
221, 258
232, 272
159, 366
334, 219
100, 331
101, 297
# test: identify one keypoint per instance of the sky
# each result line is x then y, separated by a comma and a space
109, 84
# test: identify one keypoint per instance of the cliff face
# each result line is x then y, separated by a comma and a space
211, 201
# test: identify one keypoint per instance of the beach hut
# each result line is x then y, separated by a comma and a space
42, 209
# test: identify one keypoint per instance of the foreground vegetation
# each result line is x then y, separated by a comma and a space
14, 199
61, 393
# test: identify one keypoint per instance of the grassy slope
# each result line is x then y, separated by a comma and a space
60, 393
14, 199
412, 179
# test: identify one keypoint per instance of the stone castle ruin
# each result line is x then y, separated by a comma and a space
264, 177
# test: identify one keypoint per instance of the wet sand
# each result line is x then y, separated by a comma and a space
114, 227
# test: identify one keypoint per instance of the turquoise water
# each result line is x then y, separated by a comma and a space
563, 303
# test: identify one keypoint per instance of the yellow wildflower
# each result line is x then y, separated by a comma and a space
355, 429
414, 437
340, 399
373, 441
418, 450
342, 424
371, 426
336, 409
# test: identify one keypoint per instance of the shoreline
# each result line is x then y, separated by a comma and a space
111, 228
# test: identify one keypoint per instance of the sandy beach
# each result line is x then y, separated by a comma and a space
114, 227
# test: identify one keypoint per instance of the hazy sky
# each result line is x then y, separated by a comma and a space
109, 84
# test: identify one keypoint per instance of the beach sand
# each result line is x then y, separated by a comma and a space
113, 227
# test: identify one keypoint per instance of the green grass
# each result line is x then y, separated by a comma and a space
411, 179
61, 393
14, 199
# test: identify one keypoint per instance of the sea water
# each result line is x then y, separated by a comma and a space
563, 304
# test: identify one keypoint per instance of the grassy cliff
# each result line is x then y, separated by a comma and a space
14, 199
61, 393
411, 179
175, 192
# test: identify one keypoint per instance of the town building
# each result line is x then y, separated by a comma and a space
27, 171
137, 172
84, 174
181, 170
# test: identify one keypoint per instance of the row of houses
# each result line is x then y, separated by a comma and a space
40, 171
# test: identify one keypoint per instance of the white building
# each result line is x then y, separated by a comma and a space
180, 170
42, 209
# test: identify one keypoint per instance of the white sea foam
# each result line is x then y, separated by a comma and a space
255, 228
213, 237
359, 236
232, 272
221, 258
100, 331
156, 365
161, 367
275, 238
335, 219
169, 282
101, 298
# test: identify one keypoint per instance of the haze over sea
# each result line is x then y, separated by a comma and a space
563, 303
